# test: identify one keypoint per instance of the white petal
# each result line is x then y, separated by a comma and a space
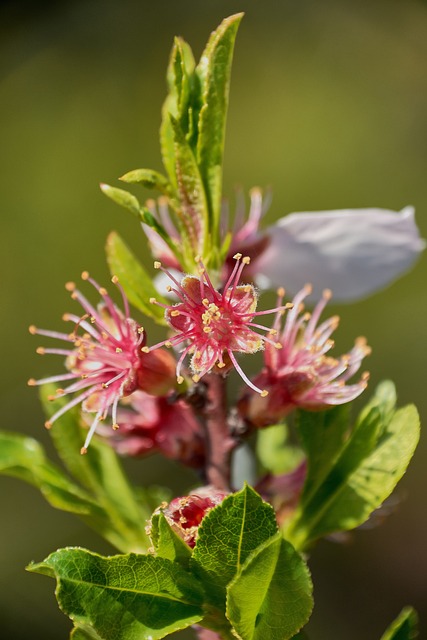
354, 252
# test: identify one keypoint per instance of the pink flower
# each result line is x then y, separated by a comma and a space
105, 362
301, 374
158, 424
215, 324
186, 514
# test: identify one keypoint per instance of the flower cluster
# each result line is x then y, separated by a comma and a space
222, 560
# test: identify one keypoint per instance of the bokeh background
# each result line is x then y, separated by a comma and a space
329, 108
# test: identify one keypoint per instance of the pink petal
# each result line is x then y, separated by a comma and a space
354, 252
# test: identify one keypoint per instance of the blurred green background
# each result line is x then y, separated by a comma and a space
329, 107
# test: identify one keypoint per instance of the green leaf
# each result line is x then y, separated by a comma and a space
214, 72
123, 597
122, 198
136, 282
271, 596
274, 452
192, 210
167, 544
101, 473
147, 178
362, 476
405, 627
227, 535
84, 632
384, 399
24, 458
322, 435
181, 86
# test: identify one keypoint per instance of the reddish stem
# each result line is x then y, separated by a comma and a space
219, 441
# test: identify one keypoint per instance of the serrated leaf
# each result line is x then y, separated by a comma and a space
274, 452
136, 282
123, 597
405, 627
123, 199
227, 535
100, 472
271, 596
167, 544
147, 178
214, 72
365, 473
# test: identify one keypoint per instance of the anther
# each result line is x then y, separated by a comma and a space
157, 264
278, 345
48, 424
153, 301
119, 350
85, 275
281, 292
237, 256
327, 294
115, 426
180, 379
31, 382
103, 291
196, 378
114, 280
41, 351
70, 286
264, 393
83, 451
175, 313
32, 329
246, 260
145, 350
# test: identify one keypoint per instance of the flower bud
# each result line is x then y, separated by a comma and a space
156, 373
185, 514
